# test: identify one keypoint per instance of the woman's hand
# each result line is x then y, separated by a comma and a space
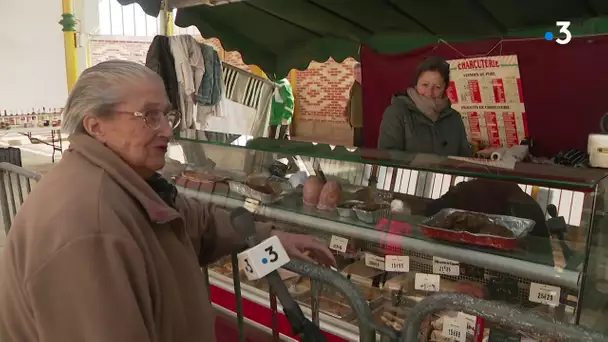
297, 246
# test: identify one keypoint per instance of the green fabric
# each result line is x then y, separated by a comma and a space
280, 35
405, 128
282, 111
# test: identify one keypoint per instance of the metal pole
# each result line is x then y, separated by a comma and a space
162, 17
68, 23
240, 317
166, 19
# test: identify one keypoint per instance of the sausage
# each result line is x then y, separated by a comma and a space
330, 196
312, 190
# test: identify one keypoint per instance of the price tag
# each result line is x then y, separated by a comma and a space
397, 263
453, 330
467, 320
263, 258
446, 266
251, 205
544, 294
338, 243
374, 261
427, 282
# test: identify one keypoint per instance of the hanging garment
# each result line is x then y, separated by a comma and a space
239, 120
160, 59
247, 89
210, 90
282, 104
189, 67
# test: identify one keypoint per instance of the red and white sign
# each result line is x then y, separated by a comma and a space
488, 94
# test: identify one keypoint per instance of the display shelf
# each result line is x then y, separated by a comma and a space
566, 264
553, 176
516, 264
258, 301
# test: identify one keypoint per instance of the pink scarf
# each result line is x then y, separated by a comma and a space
432, 108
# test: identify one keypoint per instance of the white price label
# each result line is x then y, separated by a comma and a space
427, 282
263, 258
544, 294
251, 205
446, 266
467, 320
397, 263
374, 261
453, 330
338, 243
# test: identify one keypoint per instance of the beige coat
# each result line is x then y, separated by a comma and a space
95, 254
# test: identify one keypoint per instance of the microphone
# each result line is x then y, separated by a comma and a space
243, 223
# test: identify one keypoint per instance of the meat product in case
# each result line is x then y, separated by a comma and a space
312, 190
330, 196
498, 231
474, 223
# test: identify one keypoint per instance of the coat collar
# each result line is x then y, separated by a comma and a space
101, 156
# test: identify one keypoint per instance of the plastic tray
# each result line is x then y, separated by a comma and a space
281, 189
520, 227
373, 216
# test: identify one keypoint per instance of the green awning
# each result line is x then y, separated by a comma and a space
280, 35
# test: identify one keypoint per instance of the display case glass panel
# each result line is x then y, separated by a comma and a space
404, 226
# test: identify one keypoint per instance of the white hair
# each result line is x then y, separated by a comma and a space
98, 91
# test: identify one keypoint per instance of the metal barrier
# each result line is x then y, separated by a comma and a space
367, 325
503, 314
319, 276
15, 185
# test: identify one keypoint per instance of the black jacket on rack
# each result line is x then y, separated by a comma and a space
160, 59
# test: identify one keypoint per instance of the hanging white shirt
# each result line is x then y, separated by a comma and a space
189, 68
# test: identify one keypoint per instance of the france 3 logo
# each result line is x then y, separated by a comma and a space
564, 37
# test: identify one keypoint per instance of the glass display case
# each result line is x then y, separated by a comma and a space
404, 226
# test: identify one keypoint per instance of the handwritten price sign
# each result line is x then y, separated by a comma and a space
338, 243
397, 263
544, 294
427, 282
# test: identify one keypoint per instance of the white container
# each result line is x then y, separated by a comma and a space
597, 147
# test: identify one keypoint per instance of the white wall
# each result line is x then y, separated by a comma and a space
32, 61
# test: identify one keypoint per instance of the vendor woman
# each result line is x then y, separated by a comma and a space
422, 119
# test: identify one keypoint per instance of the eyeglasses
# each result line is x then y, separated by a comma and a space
153, 117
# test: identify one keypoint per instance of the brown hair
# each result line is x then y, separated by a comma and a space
434, 63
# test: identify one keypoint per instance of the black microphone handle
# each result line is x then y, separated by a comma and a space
301, 325
243, 222
280, 290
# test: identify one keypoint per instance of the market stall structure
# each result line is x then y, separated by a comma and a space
569, 291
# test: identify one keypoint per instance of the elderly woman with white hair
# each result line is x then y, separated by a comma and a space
104, 249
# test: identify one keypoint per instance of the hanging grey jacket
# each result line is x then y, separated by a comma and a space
405, 128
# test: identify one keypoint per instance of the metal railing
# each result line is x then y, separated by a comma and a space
15, 185
503, 314
320, 277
